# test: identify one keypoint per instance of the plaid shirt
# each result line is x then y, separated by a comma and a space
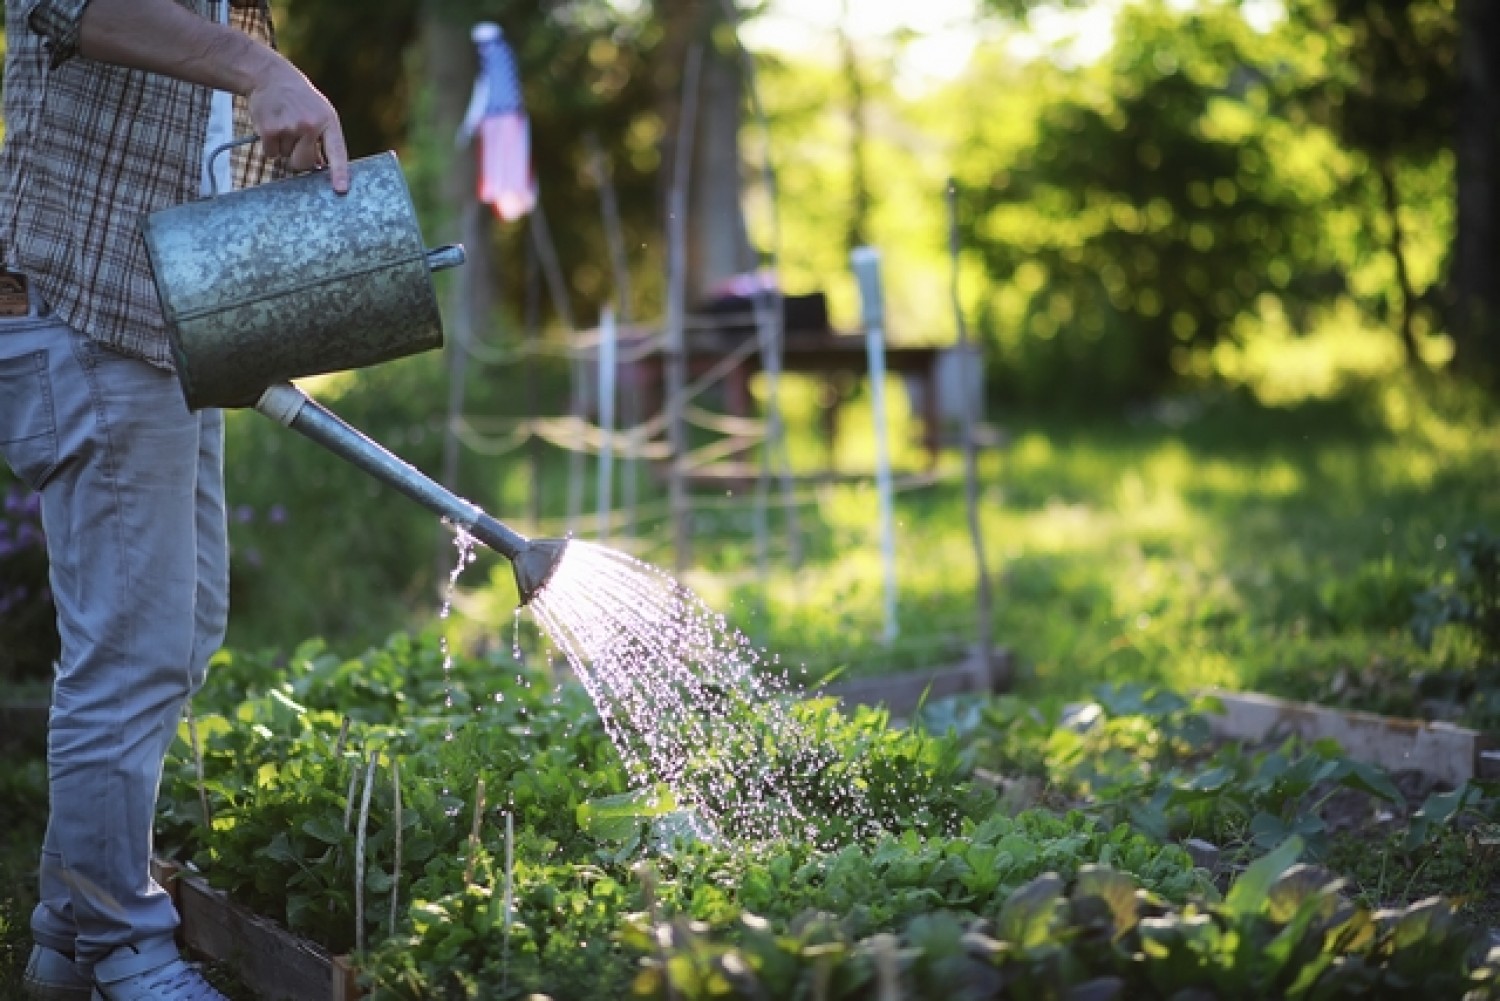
91, 149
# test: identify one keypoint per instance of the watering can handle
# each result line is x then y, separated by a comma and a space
220, 150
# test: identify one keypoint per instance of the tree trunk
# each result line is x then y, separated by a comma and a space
716, 247
857, 234
1476, 251
1407, 322
450, 65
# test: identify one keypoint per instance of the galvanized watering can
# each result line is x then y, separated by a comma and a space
289, 279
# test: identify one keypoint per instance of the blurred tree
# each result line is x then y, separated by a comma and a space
356, 53
1146, 214
400, 70
1389, 92
859, 130
1476, 255
1407, 81
716, 247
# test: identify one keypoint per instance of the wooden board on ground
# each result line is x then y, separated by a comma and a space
1444, 752
902, 693
278, 965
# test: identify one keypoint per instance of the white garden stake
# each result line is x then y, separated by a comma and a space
359, 854
192, 722
510, 895
608, 376
866, 263
396, 819
474, 832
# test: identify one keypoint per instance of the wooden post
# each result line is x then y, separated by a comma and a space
971, 452
630, 403
557, 288
676, 346
470, 318
770, 328
534, 444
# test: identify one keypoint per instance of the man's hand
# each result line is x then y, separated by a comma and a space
295, 121
292, 117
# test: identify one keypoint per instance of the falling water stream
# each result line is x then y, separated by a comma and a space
688, 701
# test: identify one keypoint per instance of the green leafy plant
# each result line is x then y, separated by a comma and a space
1470, 602
1284, 931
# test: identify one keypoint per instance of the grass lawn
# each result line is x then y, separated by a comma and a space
1203, 542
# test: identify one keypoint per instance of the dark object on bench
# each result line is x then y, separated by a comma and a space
735, 314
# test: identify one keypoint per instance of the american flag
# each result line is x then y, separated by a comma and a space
497, 116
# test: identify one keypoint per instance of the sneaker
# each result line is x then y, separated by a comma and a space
51, 976
128, 975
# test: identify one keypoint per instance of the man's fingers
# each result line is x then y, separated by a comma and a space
305, 154
307, 150
338, 157
278, 144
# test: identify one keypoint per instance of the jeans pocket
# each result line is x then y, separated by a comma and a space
28, 422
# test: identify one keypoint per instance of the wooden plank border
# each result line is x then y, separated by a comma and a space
1446, 753
902, 693
278, 965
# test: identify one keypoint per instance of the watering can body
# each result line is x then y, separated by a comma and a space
289, 279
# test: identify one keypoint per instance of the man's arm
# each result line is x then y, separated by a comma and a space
159, 36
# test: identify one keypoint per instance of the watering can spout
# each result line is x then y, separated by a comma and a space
534, 560
536, 564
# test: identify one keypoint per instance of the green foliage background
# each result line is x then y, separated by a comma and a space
1194, 232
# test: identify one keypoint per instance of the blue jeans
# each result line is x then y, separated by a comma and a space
132, 488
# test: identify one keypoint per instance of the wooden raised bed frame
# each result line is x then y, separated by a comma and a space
279, 965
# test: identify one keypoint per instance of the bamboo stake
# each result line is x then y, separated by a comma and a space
866, 262
557, 289
577, 469
474, 832
887, 968
359, 854
971, 451
614, 234
349, 798
608, 376
338, 745
396, 863
661, 933
770, 329
529, 370
510, 896
192, 722
676, 348
557, 285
